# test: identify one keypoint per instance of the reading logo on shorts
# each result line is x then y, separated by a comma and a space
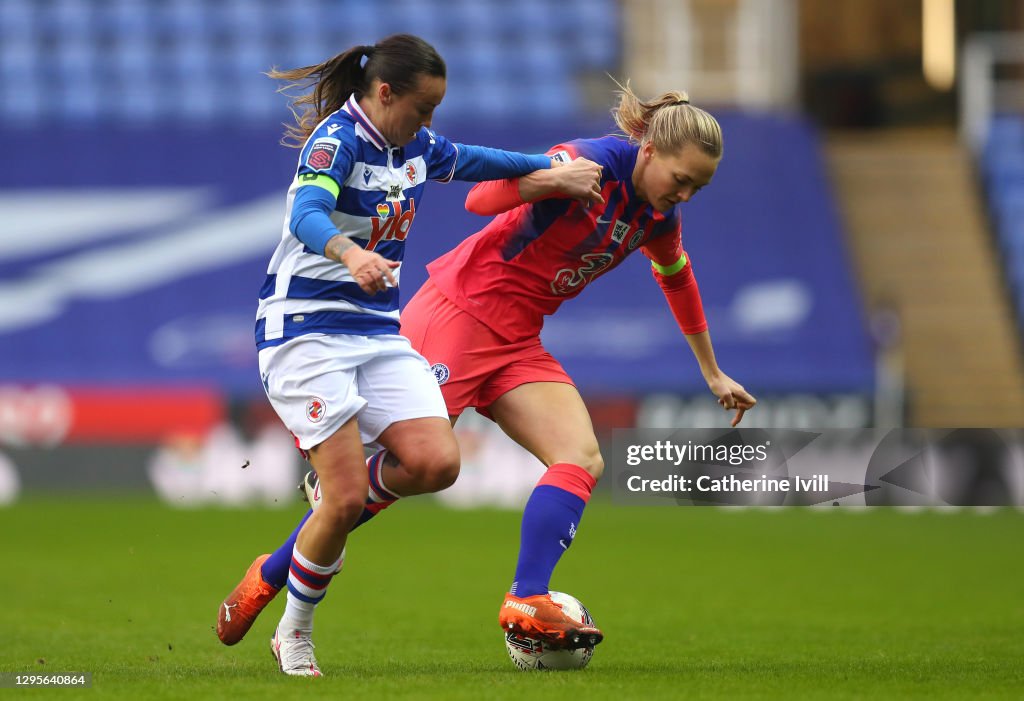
316, 409
441, 373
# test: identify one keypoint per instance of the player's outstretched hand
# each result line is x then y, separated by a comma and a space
731, 395
580, 180
371, 271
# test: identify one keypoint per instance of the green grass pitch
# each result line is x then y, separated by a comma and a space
695, 603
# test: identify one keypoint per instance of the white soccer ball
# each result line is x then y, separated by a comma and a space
528, 653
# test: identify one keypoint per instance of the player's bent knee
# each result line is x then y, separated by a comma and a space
341, 512
593, 463
435, 471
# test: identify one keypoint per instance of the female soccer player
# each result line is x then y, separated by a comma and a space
478, 318
332, 361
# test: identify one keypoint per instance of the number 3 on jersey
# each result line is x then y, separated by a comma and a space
391, 222
568, 280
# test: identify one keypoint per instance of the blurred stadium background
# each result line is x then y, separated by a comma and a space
861, 259
861, 253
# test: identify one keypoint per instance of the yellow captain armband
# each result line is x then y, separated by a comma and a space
667, 270
321, 181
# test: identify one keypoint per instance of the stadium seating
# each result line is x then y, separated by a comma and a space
1003, 171
202, 61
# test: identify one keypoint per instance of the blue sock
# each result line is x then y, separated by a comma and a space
275, 569
550, 520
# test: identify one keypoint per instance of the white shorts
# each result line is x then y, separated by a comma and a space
316, 383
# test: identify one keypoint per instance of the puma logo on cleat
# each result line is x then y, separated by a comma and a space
519, 606
227, 612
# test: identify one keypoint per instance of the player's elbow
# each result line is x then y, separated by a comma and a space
477, 204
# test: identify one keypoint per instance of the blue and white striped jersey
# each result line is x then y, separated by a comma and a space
377, 186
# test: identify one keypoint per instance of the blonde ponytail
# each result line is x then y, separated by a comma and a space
668, 121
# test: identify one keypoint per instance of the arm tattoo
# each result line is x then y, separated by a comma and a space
336, 246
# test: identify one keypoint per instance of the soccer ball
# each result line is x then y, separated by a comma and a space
528, 653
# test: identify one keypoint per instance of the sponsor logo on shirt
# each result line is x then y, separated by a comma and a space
619, 231
392, 222
568, 280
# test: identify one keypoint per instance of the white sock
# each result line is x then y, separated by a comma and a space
307, 585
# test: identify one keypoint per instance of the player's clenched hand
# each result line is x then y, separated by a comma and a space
371, 271
731, 395
580, 180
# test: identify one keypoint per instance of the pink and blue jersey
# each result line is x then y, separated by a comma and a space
530, 259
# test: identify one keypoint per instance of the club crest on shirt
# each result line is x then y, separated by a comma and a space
441, 373
410, 172
635, 241
316, 409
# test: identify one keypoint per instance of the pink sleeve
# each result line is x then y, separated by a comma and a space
680, 288
493, 197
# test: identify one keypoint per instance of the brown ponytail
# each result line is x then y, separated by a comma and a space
398, 60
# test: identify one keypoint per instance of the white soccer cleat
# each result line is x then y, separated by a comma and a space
310, 489
294, 654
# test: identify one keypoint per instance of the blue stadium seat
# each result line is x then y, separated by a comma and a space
182, 18
1005, 132
200, 100
238, 18
17, 20
1010, 220
23, 102
424, 19
523, 20
477, 19
246, 61
19, 56
189, 59
133, 61
66, 19
125, 18
494, 48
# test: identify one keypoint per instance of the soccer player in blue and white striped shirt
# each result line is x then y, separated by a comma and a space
332, 361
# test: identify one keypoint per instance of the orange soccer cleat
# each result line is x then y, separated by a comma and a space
238, 612
540, 618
